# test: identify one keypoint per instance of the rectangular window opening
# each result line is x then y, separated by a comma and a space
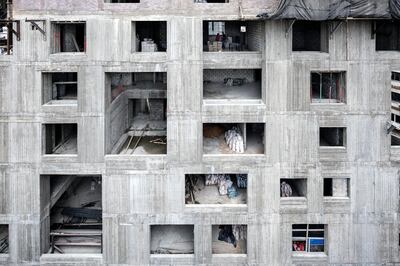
233, 138
216, 189
395, 108
4, 239
310, 36
149, 36
6, 38
71, 209
172, 239
336, 187
60, 86
332, 136
60, 139
69, 37
137, 114
232, 36
328, 87
6, 29
232, 84
308, 237
387, 35
229, 239
293, 187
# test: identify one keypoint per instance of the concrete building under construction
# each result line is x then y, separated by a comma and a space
199, 132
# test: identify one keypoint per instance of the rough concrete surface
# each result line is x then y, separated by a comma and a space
149, 189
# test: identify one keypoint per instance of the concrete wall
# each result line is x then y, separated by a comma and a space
142, 190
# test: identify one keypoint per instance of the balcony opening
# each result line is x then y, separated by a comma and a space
308, 237
149, 36
216, 189
232, 84
137, 116
233, 138
229, 239
387, 35
68, 37
293, 187
60, 86
310, 36
336, 187
4, 238
329, 87
71, 214
60, 139
232, 36
395, 108
172, 239
332, 136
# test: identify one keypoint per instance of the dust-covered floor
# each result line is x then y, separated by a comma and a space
218, 90
172, 239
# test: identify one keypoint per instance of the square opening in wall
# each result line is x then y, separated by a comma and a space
328, 87
149, 36
395, 108
136, 118
172, 239
232, 36
232, 84
293, 187
308, 237
71, 210
310, 36
332, 136
387, 35
60, 138
60, 86
4, 238
336, 187
68, 37
229, 239
233, 138
216, 189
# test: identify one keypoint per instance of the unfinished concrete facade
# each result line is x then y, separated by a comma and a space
346, 194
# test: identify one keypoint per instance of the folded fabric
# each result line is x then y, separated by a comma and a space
232, 192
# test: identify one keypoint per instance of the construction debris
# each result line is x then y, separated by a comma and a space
76, 217
234, 81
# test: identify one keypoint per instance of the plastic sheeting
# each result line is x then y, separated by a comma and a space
394, 6
334, 9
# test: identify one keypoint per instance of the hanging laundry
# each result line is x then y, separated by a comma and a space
286, 190
214, 179
241, 181
223, 186
234, 140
